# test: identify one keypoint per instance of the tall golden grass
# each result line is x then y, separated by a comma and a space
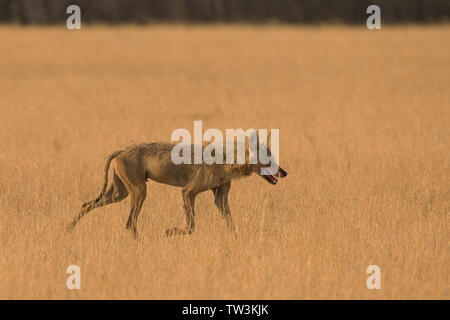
364, 125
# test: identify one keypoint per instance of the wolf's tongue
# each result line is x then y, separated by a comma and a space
273, 179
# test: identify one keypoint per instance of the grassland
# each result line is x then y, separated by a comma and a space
364, 119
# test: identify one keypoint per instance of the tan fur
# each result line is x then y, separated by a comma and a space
132, 167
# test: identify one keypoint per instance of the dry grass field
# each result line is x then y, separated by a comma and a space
364, 119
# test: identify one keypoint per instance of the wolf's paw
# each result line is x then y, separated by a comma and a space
70, 227
141, 241
173, 232
233, 233
177, 231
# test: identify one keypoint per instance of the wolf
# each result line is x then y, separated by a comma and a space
134, 165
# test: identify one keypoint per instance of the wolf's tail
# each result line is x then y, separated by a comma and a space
105, 184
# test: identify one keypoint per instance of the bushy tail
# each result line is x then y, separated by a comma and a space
105, 184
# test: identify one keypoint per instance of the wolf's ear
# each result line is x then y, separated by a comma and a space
254, 136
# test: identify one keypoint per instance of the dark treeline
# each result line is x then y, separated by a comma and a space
200, 11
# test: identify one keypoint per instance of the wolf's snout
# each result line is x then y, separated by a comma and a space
281, 173
272, 179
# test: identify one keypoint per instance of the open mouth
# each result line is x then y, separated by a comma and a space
270, 179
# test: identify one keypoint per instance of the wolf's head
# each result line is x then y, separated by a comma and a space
262, 161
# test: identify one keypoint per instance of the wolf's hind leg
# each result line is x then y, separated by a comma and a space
138, 196
115, 193
133, 179
221, 202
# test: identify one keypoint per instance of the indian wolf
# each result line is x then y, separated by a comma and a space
133, 166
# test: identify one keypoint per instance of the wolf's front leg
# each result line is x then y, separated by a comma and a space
189, 199
221, 202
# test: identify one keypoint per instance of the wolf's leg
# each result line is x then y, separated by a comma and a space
134, 180
138, 196
189, 200
115, 193
221, 202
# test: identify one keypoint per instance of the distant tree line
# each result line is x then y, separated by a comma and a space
204, 11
